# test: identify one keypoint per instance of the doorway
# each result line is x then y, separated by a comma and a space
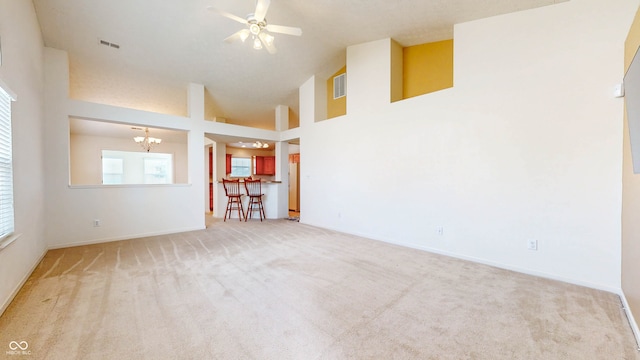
294, 181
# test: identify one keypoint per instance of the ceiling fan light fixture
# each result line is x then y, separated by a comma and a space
257, 27
268, 38
254, 28
244, 36
257, 44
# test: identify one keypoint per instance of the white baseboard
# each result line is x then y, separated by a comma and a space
510, 267
21, 283
126, 237
632, 321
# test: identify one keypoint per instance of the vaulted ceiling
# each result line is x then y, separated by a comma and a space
182, 42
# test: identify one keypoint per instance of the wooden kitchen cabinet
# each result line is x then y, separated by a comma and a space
264, 165
269, 165
228, 163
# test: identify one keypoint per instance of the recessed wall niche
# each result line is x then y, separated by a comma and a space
89, 139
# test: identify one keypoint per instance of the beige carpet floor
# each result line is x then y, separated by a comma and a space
283, 290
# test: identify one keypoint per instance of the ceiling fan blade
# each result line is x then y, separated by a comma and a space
267, 41
284, 29
227, 15
242, 35
261, 9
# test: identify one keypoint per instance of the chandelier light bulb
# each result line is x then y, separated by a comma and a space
146, 141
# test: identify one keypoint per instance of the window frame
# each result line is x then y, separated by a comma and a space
147, 168
7, 206
235, 175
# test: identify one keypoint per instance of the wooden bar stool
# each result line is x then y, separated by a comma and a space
254, 191
234, 198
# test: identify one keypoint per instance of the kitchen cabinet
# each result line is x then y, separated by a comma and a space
264, 165
269, 165
228, 164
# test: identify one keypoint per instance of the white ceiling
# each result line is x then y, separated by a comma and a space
181, 42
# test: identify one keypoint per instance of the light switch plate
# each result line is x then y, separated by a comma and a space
618, 90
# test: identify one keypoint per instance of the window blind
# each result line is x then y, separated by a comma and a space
6, 167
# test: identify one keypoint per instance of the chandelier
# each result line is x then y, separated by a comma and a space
147, 142
260, 145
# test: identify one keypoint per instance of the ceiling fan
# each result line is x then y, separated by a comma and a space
257, 27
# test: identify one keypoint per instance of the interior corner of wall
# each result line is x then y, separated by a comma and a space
320, 100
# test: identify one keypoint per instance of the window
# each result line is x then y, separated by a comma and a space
112, 170
136, 167
6, 167
157, 170
240, 167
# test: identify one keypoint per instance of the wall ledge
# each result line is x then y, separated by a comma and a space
126, 186
8, 240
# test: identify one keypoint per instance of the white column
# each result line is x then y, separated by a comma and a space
307, 94
282, 117
196, 158
282, 165
219, 172
282, 174
195, 102
369, 76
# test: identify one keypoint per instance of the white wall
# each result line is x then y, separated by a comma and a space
631, 197
22, 71
124, 211
527, 145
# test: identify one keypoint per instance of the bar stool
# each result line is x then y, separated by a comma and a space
254, 191
234, 198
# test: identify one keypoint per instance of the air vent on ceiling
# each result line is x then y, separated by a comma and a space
110, 44
339, 86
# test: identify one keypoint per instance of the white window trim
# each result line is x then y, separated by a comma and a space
7, 89
9, 238
251, 167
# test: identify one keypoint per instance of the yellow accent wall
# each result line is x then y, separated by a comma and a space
427, 68
630, 197
337, 107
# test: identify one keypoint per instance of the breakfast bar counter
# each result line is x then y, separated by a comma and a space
275, 205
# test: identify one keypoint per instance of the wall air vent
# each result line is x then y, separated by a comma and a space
339, 86
109, 44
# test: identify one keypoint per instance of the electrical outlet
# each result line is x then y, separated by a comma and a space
96, 223
440, 230
532, 244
